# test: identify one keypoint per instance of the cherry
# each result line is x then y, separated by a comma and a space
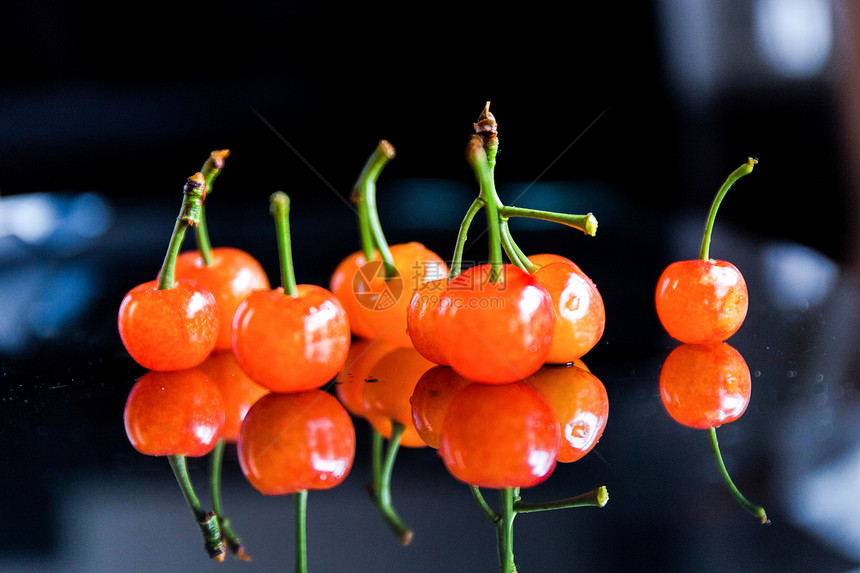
580, 317
495, 332
422, 320
292, 443
430, 401
341, 285
500, 436
293, 337
238, 391
543, 259
384, 297
296, 441
171, 324
178, 414
704, 300
174, 413
231, 275
579, 400
388, 389
705, 385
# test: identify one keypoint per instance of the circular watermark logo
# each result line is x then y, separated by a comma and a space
372, 290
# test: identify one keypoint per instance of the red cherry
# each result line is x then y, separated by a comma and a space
291, 343
495, 332
579, 400
705, 385
580, 316
238, 391
171, 329
422, 320
177, 413
701, 301
296, 442
430, 401
388, 389
341, 285
230, 277
382, 303
500, 436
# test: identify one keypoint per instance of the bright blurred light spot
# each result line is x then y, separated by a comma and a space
795, 36
31, 218
89, 215
798, 277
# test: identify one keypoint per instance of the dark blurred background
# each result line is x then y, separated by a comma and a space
636, 113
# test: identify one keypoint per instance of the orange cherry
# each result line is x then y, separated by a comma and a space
296, 442
705, 385
422, 320
430, 401
500, 436
231, 275
341, 285
238, 391
291, 343
388, 389
495, 332
581, 404
178, 413
580, 317
383, 302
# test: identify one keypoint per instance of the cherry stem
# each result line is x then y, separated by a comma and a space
482, 503
750, 507
211, 169
595, 498
505, 530
234, 543
457, 261
189, 214
381, 490
516, 256
478, 160
744, 169
586, 223
279, 208
300, 499
208, 522
364, 197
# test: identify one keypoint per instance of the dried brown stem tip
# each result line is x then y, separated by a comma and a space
386, 148
487, 127
475, 148
217, 158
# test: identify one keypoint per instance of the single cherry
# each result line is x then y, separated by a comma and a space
704, 300
500, 436
294, 337
495, 331
171, 324
430, 401
422, 320
581, 404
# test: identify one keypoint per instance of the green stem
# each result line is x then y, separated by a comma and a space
744, 169
280, 209
211, 169
516, 256
376, 452
482, 503
457, 261
189, 214
586, 223
300, 498
208, 522
752, 508
234, 543
595, 498
478, 160
530, 267
364, 196
505, 531
382, 484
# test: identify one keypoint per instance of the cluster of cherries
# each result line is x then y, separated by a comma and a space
704, 382
232, 360
483, 363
